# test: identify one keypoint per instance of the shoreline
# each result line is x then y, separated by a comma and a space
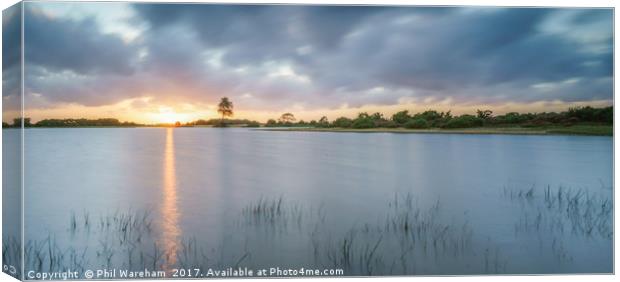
576, 130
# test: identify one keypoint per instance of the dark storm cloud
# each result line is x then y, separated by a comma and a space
436, 51
11, 58
11, 37
326, 56
76, 45
252, 33
73, 61
473, 49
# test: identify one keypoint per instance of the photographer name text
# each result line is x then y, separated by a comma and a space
182, 273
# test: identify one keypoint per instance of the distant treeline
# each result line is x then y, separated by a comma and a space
402, 119
81, 122
112, 122
224, 122
435, 119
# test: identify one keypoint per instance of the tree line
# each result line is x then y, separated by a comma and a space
364, 120
436, 119
70, 122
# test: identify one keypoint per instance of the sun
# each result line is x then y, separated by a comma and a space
168, 115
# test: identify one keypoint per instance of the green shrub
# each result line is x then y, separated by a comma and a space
342, 122
512, 118
361, 123
464, 121
221, 124
252, 124
429, 115
401, 117
589, 114
271, 123
434, 118
417, 123
386, 124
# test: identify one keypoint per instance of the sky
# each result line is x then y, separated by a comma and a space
154, 63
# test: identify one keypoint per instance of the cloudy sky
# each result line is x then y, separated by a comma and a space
165, 62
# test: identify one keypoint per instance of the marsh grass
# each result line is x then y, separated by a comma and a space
11, 255
561, 210
411, 237
121, 240
555, 214
278, 214
114, 240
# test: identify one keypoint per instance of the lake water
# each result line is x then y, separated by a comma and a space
371, 204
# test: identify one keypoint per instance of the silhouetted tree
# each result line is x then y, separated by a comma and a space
323, 122
287, 118
225, 108
484, 114
271, 123
17, 122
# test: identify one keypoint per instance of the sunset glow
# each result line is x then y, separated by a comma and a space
168, 115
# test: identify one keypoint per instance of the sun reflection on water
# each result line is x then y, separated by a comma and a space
169, 210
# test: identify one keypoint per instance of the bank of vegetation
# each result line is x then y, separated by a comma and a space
71, 122
577, 120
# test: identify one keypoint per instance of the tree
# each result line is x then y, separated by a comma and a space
342, 122
417, 123
271, 123
323, 122
484, 114
377, 116
464, 121
363, 115
253, 124
401, 117
17, 122
225, 108
429, 115
287, 118
363, 120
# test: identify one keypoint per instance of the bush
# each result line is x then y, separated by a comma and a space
253, 124
221, 123
589, 114
271, 123
401, 117
429, 115
342, 122
386, 124
434, 118
512, 118
464, 121
537, 123
417, 123
364, 122
605, 115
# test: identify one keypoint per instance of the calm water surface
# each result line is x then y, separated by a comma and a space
427, 204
